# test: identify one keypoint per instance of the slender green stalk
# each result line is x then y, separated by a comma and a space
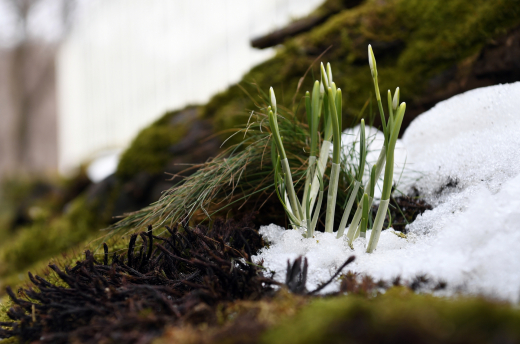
390, 111
327, 131
373, 70
387, 185
280, 190
322, 163
307, 191
316, 104
308, 211
390, 104
362, 151
313, 108
273, 123
334, 178
336, 132
357, 183
389, 170
378, 225
295, 204
372, 184
312, 227
308, 110
357, 216
348, 209
312, 159
364, 217
331, 197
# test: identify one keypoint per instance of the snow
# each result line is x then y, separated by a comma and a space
463, 155
103, 165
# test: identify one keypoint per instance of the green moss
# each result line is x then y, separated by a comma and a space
5, 304
399, 316
149, 152
414, 40
44, 239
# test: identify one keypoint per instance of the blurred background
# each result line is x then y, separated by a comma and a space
79, 78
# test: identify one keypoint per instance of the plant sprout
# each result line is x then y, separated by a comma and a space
326, 98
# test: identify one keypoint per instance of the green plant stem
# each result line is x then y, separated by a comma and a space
357, 216
280, 190
348, 209
331, 197
378, 223
387, 185
317, 213
364, 218
308, 178
316, 105
322, 163
312, 227
362, 151
334, 178
295, 204
308, 110
336, 133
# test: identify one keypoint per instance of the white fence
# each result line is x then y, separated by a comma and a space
128, 61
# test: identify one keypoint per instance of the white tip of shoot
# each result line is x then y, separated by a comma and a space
396, 99
322, 89
273, 98
329, 73
324, 77
372, 61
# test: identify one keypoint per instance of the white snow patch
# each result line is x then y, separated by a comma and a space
103, 165
471, 239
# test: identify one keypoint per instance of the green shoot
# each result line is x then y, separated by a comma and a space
312, 227
327, 95
364, 217
357, 182
295, 205
386, 159
373, 70
313, 109
334, 174
372, 181
387, 184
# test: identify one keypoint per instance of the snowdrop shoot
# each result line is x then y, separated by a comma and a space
326, 99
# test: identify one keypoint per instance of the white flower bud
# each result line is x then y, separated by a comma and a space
396, 99
273, 98
324, 78
329, 73
372, 61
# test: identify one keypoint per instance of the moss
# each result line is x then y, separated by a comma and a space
399, 316
44, 239
149, 151
5, 304
414, 40
238, 322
